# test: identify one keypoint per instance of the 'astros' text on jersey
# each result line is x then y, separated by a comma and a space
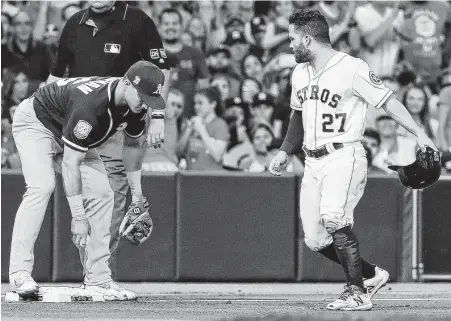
334, 100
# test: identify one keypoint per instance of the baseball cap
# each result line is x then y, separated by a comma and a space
234, 101
263, 98
258, 24
148, 80
235, 37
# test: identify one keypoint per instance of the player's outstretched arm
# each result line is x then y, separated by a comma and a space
401, 115
70, 169
133, 153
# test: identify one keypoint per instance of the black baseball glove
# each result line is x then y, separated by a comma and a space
137, 224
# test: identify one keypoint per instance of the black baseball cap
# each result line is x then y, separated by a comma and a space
258, 24
263, 98
148, 80
234, 101
235, 37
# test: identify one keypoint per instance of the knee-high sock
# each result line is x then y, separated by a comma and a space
347, 248
368, 269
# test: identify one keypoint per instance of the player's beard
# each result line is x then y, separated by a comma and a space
302, 54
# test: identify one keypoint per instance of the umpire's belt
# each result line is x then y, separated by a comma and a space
323, 150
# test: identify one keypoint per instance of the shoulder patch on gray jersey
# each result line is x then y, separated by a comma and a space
374, 79
82, 129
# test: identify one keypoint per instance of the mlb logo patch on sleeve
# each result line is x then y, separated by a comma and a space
82, 129
112, 48
154, 54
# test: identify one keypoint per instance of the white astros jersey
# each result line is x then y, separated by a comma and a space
335, 99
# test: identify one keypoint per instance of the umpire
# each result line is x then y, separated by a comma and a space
105, 40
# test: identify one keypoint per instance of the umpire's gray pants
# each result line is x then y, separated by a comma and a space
38, 150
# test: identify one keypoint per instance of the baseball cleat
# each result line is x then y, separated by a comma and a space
112, 291
23, 284
352, 299
377, 282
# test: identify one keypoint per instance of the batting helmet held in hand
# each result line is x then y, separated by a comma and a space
422, 173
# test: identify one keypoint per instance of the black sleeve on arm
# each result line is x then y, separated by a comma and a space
295, 133
62, 57
151, 46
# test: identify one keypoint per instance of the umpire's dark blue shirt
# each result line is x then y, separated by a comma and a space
108, 44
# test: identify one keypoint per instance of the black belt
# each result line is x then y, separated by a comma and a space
322, 151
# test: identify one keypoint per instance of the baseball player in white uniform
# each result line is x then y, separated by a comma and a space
331, 92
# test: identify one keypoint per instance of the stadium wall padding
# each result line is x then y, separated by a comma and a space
13, 188
227, 226
235, 228
435, 223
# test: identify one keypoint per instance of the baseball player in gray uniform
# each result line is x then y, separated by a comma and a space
331, 92
70, 118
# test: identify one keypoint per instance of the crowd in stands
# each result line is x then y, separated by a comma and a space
228, 105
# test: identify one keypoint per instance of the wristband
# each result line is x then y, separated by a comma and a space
134, 180
76, 206
158, 114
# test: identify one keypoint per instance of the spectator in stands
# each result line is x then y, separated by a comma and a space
68, 11
371, 142
239, 48
6, 27
254, 32
200, 32
262, 109
189, 66
187, 39
14, 90
223, 84
276, 37
376, 22
165, 158
262, 137
205, 137
371, 168
393, 149
417, 103
237, 113
23, 52
444, 130
219, 63
237, 116
249, 87
252, 67
425, 30
339, 17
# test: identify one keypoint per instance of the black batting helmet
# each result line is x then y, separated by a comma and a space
422, 173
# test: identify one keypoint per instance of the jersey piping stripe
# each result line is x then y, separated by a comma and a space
384, 99
350, 181
109, 129
134, 136
125, 13
74, 146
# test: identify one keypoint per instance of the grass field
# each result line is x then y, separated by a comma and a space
243, 301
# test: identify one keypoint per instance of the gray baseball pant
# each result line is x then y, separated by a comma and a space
38, 148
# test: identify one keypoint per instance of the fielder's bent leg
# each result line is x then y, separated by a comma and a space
35, 145
98, 201
111, 155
